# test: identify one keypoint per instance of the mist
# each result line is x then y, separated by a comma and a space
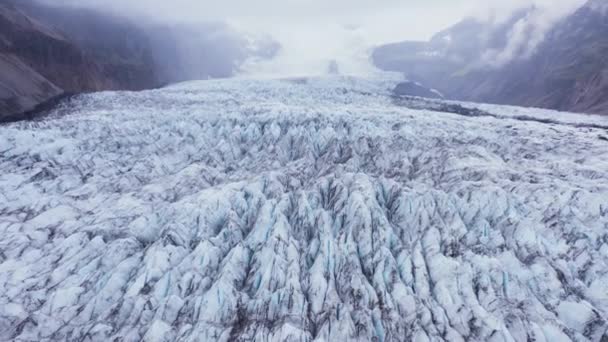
313, 33
528, 32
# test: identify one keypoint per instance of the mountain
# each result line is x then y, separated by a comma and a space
564, 68
24, 46
48, 51
41, 60
200, 51
310, 209
460, 46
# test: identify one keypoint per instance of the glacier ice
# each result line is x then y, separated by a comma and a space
312, 209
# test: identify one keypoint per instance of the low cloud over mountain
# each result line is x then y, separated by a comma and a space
47, 51
534, 57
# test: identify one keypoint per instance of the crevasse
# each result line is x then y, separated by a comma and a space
312, 209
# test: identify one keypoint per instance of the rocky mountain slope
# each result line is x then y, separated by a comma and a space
40, 60
46, 51
472, 61
22, 87
302, 210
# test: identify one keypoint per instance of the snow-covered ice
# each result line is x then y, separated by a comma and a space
312, 209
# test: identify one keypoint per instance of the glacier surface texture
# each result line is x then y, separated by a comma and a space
315, 209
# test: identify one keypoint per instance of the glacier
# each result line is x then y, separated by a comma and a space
302, 209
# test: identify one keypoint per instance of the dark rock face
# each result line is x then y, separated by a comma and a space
22, 87
116, 53
567, 71
44, 54
416, 89
48, 51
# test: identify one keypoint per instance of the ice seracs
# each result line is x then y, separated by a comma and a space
299, 210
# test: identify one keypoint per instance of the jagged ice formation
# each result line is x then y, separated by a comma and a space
299, 210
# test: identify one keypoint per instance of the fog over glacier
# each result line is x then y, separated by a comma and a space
315, 32
303, 209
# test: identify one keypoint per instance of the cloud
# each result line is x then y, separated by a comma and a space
528, 32
500, 10
314, 32
306, 53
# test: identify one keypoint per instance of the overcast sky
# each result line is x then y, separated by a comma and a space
385, 20
314, 30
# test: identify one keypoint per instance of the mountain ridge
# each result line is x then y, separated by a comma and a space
566, 71
44, 63
48, 51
